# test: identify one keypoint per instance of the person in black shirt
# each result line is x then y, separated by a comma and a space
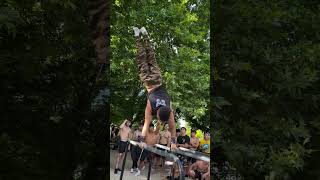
158, 100
183, 140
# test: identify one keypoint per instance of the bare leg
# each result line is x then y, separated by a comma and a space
119, 157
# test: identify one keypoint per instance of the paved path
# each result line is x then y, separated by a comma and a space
155, 174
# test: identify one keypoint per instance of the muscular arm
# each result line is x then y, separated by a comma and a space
122, 125
172, 125
147, 119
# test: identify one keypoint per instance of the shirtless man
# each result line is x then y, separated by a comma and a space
158, 100
152, 138
200, 169
165, 136
124, 137
194, 143
165, 140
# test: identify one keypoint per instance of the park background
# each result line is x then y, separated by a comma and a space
180, 33
265, 107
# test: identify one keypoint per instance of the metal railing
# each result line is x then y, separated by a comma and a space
169, 156
187, 152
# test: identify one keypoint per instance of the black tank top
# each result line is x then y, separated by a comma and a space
158, 97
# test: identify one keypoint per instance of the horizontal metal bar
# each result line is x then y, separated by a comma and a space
157, 151
170, 156
186, 152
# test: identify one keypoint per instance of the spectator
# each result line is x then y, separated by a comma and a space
205, 143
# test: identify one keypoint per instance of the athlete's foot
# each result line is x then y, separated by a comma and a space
116, 171
144, 31
131, 171
136, 31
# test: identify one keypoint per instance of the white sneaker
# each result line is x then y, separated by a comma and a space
131, 171
143, 31
136, 31
138, 173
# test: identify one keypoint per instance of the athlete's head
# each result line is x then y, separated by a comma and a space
164, 114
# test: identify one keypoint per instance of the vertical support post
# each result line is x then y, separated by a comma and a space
124, 160
150, 165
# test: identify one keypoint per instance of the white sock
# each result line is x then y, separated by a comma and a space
143, 31
136, 31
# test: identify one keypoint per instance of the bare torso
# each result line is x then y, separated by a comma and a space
124, 133
194, 142
165, 137
152, 138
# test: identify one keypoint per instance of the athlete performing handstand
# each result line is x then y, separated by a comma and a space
158, 100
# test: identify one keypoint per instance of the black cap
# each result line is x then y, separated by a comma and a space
164, 113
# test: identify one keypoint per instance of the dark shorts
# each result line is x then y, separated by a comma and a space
122, 146
145, 155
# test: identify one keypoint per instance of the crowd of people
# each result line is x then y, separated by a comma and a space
156, 135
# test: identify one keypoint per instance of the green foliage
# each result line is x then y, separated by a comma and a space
267, 78
47, 72
179, 30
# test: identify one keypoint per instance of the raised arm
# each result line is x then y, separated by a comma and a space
122, 125
172, 129
147, 119
172, 125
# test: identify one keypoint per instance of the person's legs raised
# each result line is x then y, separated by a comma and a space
154, 78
